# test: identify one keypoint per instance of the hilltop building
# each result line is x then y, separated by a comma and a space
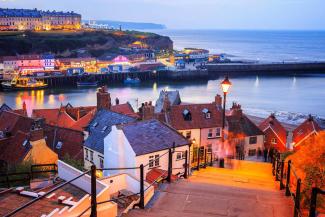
36, 20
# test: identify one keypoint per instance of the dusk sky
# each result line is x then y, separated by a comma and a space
194, 14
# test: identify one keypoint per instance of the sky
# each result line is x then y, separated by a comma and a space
195, 14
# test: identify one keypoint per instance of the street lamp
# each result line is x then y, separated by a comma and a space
225, 85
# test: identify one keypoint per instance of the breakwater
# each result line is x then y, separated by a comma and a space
266, 69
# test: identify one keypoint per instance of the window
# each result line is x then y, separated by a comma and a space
59, 145
273, 141
95, 124
218, 132
86, 154
187, 115
210, 134
252, 152
154, 161
91, 156
207, 113
104, 128
180, 155
209, 148
101, 162
188, 134
252, 140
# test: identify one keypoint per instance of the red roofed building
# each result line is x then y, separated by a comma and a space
305, 130
200, 123
275, 133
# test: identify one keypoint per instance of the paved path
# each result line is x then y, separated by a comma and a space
248, 190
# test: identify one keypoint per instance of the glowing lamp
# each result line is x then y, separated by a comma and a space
225, 84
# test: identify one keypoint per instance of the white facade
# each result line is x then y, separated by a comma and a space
250, 147
118, 153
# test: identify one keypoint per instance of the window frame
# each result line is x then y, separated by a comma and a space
254, 138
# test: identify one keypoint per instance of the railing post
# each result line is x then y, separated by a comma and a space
205, 158
198, 158
288, 179
278, 162
281, 178
273, 165
297, 199
170, 165
141, 203
186, 165
93, 192
7, 180
313, 200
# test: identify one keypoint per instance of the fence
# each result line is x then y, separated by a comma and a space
201, 158
141, 193
38, 170
286, 174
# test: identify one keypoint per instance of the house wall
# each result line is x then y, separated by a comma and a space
96, 158
41, 153
216, 142
118, 153
269, 135
258, 145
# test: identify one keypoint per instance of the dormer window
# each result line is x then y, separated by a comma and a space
207, 113
187, 115
104, 128
95, 124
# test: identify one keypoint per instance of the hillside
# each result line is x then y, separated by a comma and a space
67, 44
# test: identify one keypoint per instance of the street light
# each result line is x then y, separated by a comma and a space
225, 84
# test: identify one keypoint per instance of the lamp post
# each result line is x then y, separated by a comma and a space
225, 85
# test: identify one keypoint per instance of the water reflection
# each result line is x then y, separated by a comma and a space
257, 82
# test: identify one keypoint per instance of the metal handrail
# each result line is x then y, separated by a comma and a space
44, 195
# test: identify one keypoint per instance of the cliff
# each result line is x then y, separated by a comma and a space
67, 44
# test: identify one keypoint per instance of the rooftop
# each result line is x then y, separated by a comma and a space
151, 136
101, 126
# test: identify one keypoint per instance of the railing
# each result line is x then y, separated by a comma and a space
23, 177
201, 159
289, 180
141, 193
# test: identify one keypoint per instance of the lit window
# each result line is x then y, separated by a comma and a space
218, 132
252, 140
273, 141
210, 134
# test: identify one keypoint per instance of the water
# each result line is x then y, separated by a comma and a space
268, 46
258, 95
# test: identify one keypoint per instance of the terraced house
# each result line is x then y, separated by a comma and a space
33, 19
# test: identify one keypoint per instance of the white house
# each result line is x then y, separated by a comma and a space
98, 129
145, 142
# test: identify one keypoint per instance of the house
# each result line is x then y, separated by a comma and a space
74, 199
275, 134
78, 118
308, 128
200, 123
147, 143
245, 137
173, 97
22, 139
97, 130
121, 64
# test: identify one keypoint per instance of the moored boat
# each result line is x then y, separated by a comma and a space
129, 80
23, 83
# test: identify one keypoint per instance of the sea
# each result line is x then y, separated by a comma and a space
292, 98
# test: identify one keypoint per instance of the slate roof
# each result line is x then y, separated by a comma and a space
34, 13
97, 133
151, 136
5, 107
199, 120
304, 130
242, 126
173, 96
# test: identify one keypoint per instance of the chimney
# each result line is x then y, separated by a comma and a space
103, 99
117, 101
218, 101
236, 110
147, 111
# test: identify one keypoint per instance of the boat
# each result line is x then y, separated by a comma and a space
87, 83
23, 83
129, 80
